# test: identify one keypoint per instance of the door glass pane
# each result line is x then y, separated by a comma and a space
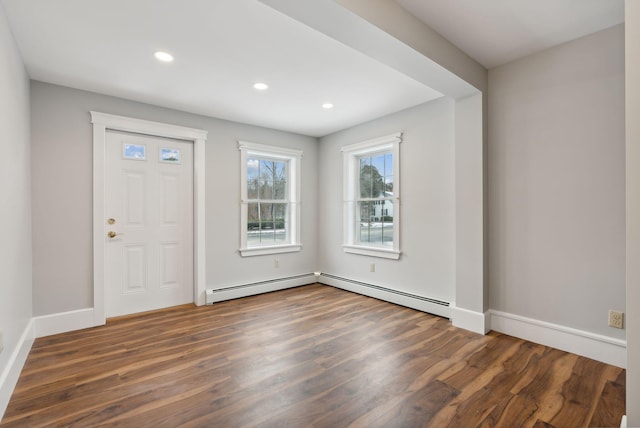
169, 155
134, 151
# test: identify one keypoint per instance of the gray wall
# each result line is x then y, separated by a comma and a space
632, 99
427, 232
62, 183
556, 175
15, 197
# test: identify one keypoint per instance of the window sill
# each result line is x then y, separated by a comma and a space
385, 253
274, 249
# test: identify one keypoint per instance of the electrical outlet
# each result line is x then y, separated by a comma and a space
372, 267
616, 319
276, 263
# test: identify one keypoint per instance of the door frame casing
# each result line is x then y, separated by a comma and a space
103, 122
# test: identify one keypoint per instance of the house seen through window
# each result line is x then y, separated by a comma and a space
375, 202
371, 197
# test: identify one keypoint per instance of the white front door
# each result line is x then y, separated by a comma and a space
149, 223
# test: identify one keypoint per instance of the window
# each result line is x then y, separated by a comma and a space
270, 206
371, 195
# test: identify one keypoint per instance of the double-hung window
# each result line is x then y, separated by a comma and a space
372, 197
270, 204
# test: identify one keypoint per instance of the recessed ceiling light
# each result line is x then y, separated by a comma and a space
327, 106
261, 86
163, 56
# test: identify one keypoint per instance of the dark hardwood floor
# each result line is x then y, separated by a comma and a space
313, 356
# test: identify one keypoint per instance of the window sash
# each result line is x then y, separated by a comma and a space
290, 239
381, 175
261, 202
386, 198
267, 232
353, 197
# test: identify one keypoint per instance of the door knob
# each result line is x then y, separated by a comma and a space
112, 234
111, 221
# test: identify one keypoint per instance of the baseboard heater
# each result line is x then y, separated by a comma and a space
421, 303
386, 290
212, 293
425, 304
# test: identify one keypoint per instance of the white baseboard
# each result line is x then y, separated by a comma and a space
11, 373
236, 291
595, 346
38, 327
63, 322
476, 322
388, 295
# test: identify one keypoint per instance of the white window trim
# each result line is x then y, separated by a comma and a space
351, 153
294, 157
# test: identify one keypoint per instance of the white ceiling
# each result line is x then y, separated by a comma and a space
494, 32
222, 47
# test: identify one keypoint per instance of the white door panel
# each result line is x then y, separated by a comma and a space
149, 195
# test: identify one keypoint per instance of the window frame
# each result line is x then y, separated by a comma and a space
351, 181
292, 198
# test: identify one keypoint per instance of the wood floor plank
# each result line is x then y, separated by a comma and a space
312, 356
611, 402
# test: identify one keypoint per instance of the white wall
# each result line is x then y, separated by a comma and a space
15, 200
556, 172
427, 232
632, 99
471, 295
61, 152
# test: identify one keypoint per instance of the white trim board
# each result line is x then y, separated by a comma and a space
595, 346
388, 295
103, 122
63, 322
476, 322
41, 326
11, 373
236, 291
